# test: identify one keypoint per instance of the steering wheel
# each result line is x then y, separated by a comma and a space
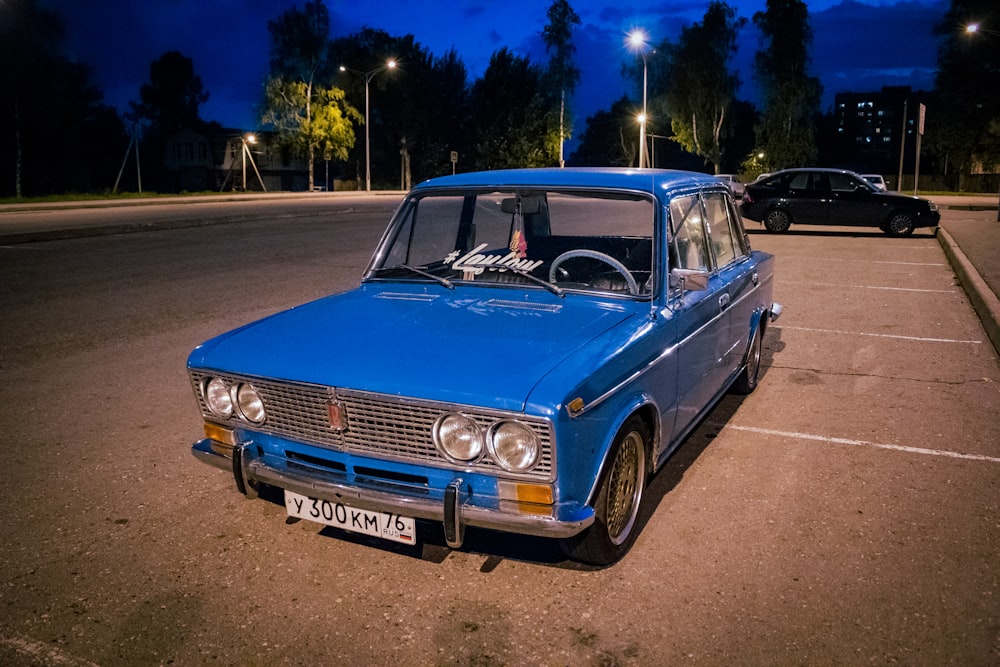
633, 287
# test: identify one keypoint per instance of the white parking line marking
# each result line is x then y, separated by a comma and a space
863, 261
877, 335
894, 289
862, 443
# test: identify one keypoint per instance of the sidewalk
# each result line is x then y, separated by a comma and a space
970, 235
969, 232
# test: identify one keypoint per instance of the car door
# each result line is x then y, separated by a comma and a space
736, 275
853, 202
701, 315
808, 197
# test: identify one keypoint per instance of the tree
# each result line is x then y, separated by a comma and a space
327, 127
607, 139
564, 76
965, 125
510, 108
419, 111
56, 135
171, 99
299, 46
700, 88
449, 119
167, 103
786, 133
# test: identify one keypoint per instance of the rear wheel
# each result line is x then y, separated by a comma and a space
777, 220
748, 377
618, 498
900, 224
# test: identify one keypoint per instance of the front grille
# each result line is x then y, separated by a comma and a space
378, 425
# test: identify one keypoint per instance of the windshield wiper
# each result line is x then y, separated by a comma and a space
555, 289
426, 274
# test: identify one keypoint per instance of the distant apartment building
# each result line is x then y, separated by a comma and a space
869, 127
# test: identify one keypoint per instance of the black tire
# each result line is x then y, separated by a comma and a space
618, 499
747, 380
777, 220
900, 223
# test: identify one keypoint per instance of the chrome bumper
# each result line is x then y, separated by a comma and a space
451, 508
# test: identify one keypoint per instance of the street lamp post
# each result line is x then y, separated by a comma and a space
247, 139
975, 29
637, 40
368, 76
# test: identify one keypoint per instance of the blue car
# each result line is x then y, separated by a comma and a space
526, 348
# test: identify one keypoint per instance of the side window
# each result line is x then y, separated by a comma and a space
739, 234
842, 183
799, 182
719, 229
689, 247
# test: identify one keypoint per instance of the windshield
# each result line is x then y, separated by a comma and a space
560, 241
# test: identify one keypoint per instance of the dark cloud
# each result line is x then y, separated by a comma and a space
473, 13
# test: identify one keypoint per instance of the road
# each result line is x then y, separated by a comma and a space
845, 513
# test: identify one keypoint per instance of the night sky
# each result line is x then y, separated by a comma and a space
858, 46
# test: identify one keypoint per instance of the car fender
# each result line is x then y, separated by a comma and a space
757, 321
614, 414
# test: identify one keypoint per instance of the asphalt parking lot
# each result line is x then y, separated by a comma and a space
845, 513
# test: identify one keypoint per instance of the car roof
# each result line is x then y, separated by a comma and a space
654, 181
829, 170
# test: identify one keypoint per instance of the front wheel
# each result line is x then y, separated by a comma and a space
900, 224
777, 220
618, 499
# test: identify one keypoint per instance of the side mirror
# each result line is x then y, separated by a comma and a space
688, 279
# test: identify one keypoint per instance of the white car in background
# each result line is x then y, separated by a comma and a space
733, 182
876, 180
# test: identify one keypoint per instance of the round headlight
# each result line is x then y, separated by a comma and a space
514, 446
218, 399
250, 404
458, 437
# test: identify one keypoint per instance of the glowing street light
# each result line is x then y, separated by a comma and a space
638, 41
368, 76
977, 28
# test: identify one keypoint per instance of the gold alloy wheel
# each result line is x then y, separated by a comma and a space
625, 487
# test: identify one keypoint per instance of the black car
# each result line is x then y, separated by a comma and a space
833, 197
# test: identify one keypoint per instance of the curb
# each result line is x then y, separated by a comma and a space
984, 300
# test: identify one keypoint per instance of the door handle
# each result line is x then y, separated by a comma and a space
723, 301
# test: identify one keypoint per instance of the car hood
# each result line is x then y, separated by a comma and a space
477, 346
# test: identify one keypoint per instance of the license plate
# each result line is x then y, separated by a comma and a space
377, 524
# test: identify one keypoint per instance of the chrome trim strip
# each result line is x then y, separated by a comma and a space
588, 406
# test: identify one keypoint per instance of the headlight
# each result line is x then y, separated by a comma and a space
514, 446
458, 437
250, 404
217, 398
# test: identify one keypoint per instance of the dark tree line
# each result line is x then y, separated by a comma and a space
422, 109
56, 134
59, 136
